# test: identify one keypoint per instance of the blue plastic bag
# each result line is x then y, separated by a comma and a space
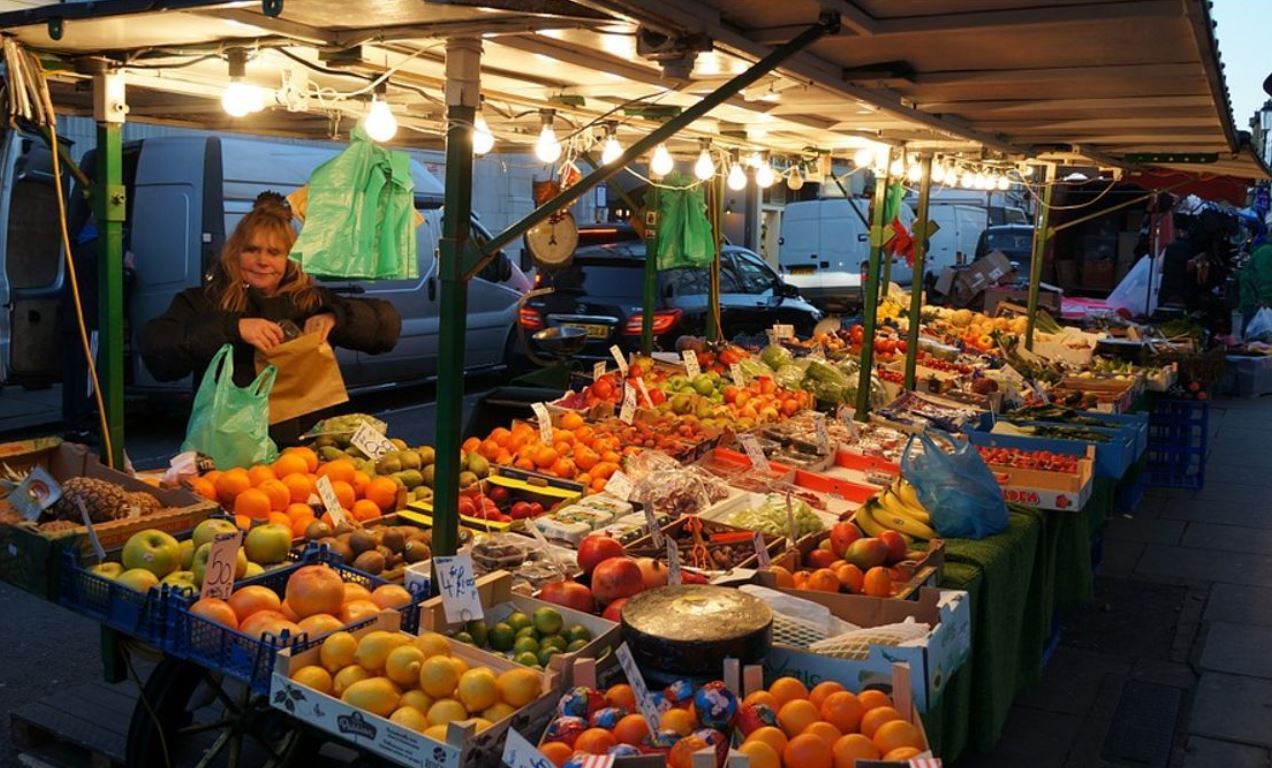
958, 489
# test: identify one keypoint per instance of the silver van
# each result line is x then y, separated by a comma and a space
185, 194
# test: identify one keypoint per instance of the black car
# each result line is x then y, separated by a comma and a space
601, 292
1015, 241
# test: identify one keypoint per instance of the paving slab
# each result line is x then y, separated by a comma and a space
1204, 565
1252, 514
1233, 474
1120, 557
1032, 737
1241, 649
1146, 530
1240, 605
1201, 752
1227, 538
1072, 681
1233, 708
1174, 674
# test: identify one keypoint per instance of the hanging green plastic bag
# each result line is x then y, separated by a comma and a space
684, 233
229, 424
360, 215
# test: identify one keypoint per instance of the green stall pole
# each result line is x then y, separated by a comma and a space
870, 291
916, 282
463, 63
651, 272
109, 207
715, 199
1038, 252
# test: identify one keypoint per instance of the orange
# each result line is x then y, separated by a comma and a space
204, 487
564, 468
471, 445
761, 755
896, 734
297, 511
901, 754
822, 690
364, 509
260, 473
825, 731
299, 525
850, 578
501, 436
783, 576
359, 483
621, 695
681, 721
340, 469
800, 579
254, 503
571, 421
842, 710
383, 491
823, 580
557, 752
808, 751
544, 457
278, 493
248, 600
681, 754
215, 610
877, 582
873, 719
344, 492
489, 448
290, 464
851, 748
762, 697
242, 522
308, 454
299, 487
280, 519
796, 715
595, 741
632, 729
585, 458
872, 699
774, 737
230, 484
786, 689
212, 476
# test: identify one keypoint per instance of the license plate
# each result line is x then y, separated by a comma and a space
802, 270
592, 330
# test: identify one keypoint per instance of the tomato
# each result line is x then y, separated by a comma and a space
858, 333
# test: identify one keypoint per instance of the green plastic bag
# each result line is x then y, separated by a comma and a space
684, 233
360, 216
229, 424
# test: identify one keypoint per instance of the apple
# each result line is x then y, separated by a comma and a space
207, 530
187, 554
652, 572
181, 580
571, 594
267, 544
614, 611
616, 577
842, 536
895, 544
253, 569
107, 570
200, 564
595, 548
152, 550
138, 579
867, 553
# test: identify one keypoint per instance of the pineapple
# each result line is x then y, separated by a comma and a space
103, 500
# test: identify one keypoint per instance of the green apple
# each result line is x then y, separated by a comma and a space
187, 554
268, 544
152, 550
200, 564
181, 580
138, 579
107, 570
207, 530
253, 569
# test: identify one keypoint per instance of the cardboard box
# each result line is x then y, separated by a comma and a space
1049, 297
931, 660
927, 570
962, 285
1073, 346
1048, 490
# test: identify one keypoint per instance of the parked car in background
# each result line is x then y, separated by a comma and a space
601, 291
1015, 241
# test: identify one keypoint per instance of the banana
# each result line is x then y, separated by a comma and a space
892, 502
903, 523
908, 494
869, 519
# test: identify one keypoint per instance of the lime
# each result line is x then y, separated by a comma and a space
524, 645
527, 632
527, 659
546, 654
547, 621
502, 637
480, 635
463, 637
554, 641
576, 645
577, 632
517, 620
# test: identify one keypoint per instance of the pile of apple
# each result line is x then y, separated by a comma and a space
614, 577
152, 558
496, 505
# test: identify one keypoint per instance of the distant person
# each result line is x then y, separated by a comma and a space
1256, 281
1179, 267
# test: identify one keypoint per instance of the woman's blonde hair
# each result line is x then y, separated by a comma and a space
272, 215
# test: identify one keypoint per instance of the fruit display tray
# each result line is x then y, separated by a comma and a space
551, 492
146, 616
927, 569
1045, 489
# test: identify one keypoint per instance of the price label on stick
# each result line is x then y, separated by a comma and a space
691, 362
37, 492
598, 370
673, 562
457, 584
790, 519
628, 411
544, 547
619, 358
783, 331
754, 452
739, 378
761, 551
545, 422
651, 522
644, 392
641, 691
92, 533
819, 426
218, 579
619, 486
331, 502
370, 442
520, 753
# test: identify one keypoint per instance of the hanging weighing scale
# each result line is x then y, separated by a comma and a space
552, 241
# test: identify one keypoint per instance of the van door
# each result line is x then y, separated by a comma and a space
845, 245
944, 244
972, 221
492, 309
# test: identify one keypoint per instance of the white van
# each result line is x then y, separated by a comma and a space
954, 244
185, 194
825, 246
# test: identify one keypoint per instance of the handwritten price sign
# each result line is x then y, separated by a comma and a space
218, 579
457, 584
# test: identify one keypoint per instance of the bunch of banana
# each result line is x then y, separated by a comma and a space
896, 508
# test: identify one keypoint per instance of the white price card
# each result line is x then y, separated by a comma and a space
327, 495
545, 422
544, 547
783, 331
92, 532
761, 551
520, 753
619, 358
457, 584
819, 427
628, 411
619, 486
792, 531
644, 392
637, 681
598, 370
754, 452
370, 442
739, 378
691, 362
37, 492
651, 521
673, 562
845, 416
218, 579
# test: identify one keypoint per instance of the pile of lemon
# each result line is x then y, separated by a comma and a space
416, 681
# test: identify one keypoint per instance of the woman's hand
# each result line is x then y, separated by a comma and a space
321, 324
262, 334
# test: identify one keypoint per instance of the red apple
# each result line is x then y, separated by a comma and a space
616, 577
613, 611
595, 548
571, 594
896, 546
820, 558
652, 572
842, 536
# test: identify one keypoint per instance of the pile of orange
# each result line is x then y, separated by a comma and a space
280, 492
828, 727
841, 576
578, 452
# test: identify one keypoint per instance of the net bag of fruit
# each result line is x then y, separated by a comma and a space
956, 487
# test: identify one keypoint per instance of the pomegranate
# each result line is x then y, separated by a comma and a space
614, 611
616, 577
571, 594
596, 548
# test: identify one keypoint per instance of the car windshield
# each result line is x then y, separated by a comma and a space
1013, 242
617, 271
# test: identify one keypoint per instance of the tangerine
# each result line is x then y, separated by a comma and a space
557, 752
299, 487
761, 755
875, 718
364, 510
902, 754
851, 748
471, 445
339, 470
204, 487
260, 473
877, 583
230, 483
823, 580
681, 755
290, 464
896, 734
243, 522
681, 721
822, 690
786, 689
308, 454
280, 519
850, 577
783, 576
621, 695
298, 511
796, 715
762, 697
253, 503
571, 421
774, 737
279, 494
872, 698
344, 493
595, 741
544, 457
359, 482
631, 729
825, 731
383, 491
842, 710
808, 751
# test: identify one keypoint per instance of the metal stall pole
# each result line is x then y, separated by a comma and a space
870, 291
649, 281
1039, 251
109, 208
916, 282
463, 88
715, 199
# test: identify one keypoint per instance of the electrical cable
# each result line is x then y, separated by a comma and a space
145, 702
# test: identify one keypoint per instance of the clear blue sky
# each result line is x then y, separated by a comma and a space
1245, 34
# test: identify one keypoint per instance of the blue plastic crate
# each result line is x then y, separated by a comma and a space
145, 616
1178, 439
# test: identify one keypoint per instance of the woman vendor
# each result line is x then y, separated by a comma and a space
254, 298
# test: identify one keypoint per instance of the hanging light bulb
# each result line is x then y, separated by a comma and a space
704, 168
483, 139
380, 124
755, 160
1004, 183
661, 163
967, 180
240, 98
547, 149
795, 179
737, 177
863, 157
915, 172
613, 150
938, 173
764, 174
896, 168
978, 181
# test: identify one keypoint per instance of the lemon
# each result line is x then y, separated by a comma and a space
374, 648
497, 712
417, 699
438, 677
481, 723
314, 677
436, 732
402, 665
433, 644
461, 666
446, 711
376, 694
478, 689
410, 717
347, 677
337, 651
519, 687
